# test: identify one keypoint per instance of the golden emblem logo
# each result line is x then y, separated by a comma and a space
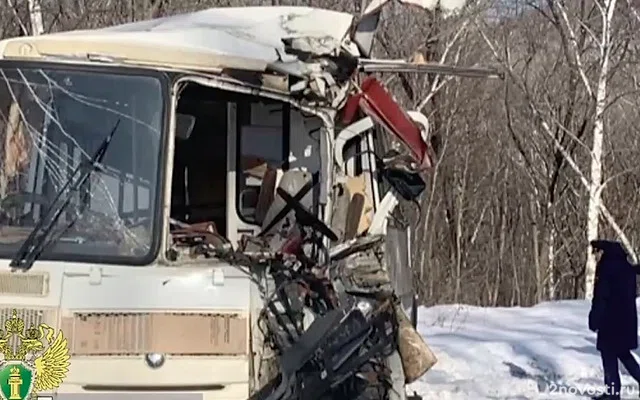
34, 360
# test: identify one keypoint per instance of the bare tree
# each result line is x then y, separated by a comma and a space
35, 14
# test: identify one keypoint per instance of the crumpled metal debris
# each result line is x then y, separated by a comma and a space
330, 323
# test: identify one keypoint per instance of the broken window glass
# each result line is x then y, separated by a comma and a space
53, 119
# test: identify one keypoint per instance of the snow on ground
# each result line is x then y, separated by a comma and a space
541, 352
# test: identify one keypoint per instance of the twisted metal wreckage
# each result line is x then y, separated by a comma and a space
333, 323
331, 317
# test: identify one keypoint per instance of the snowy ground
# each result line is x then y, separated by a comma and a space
542, 352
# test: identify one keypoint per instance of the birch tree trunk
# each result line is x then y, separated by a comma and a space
35, 14
593, 211
551, 270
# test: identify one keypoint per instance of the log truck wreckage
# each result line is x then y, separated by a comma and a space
331, 324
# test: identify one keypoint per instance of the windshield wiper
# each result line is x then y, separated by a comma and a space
37, 241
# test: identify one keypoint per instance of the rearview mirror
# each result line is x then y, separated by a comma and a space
184, 125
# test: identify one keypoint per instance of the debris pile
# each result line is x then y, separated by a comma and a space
332, 323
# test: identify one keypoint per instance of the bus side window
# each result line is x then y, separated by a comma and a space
353, 156
380, 147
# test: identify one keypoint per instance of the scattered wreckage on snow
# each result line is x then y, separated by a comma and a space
201, 203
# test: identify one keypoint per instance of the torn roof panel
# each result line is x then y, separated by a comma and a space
234, 37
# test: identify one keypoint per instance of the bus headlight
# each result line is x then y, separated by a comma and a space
154, 360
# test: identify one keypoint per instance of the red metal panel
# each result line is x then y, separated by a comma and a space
379, 104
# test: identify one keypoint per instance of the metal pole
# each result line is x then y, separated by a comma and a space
414, 311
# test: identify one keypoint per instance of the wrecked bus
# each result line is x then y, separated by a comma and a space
200, 203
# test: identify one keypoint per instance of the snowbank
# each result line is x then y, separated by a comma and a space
542, 352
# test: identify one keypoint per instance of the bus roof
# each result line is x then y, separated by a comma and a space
244, 38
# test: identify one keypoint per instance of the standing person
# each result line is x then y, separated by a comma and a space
614, 315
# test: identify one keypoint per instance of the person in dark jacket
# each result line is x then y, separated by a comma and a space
614, 315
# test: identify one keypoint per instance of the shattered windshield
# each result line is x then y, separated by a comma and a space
53, 119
